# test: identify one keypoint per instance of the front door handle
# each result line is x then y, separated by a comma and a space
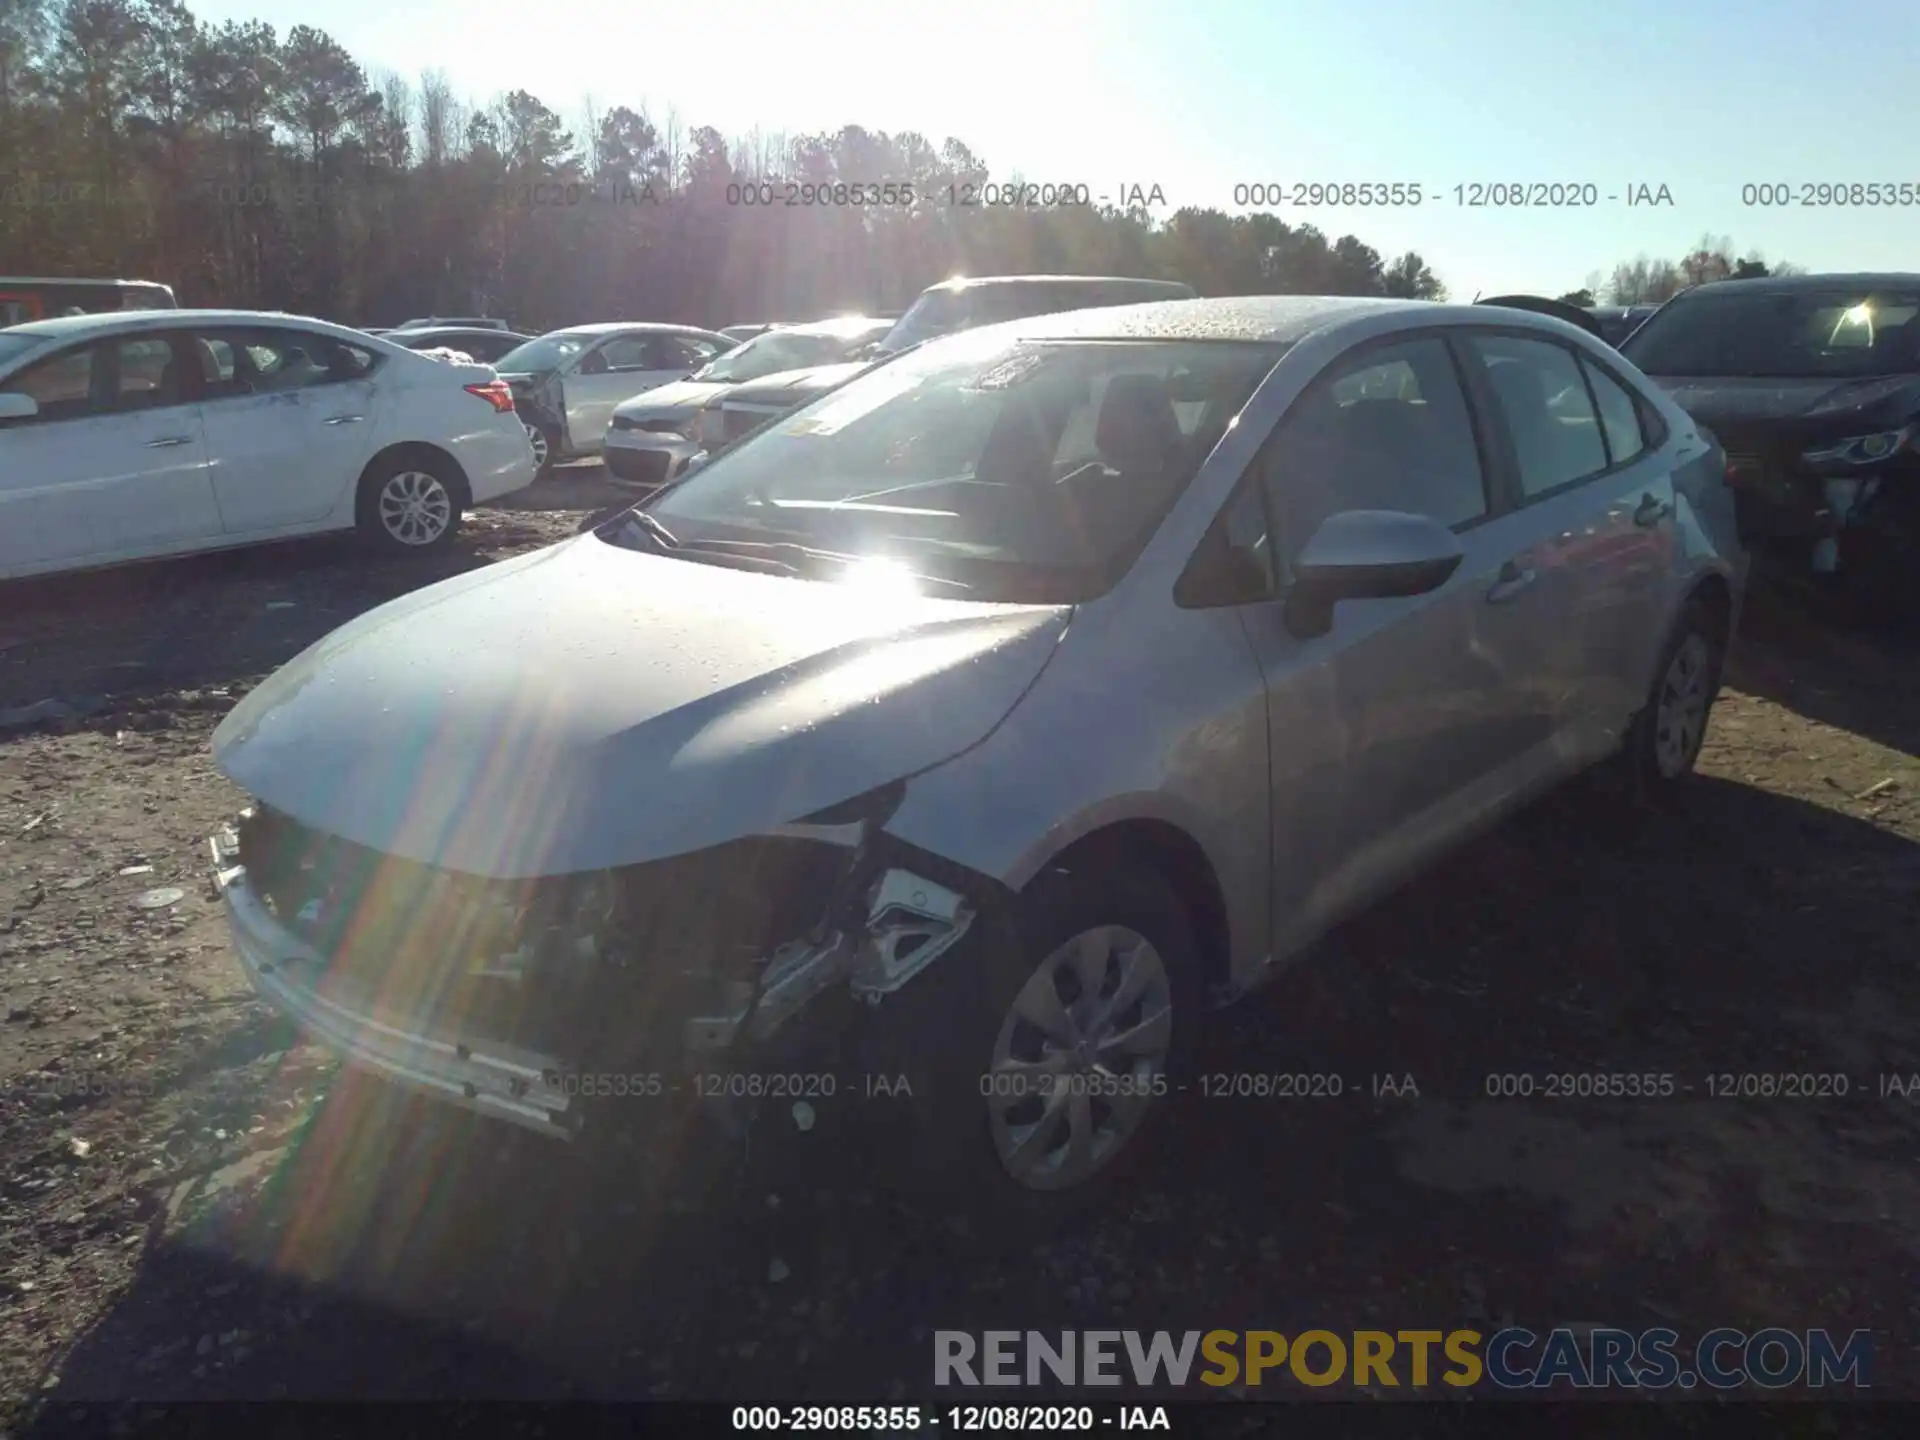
1651, 511
169, 440
1512, 580
343, 419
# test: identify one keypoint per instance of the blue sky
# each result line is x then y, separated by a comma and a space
1199, 96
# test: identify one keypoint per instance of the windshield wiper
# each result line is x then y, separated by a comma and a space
801, 559
661, 536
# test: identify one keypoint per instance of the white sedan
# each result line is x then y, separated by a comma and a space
130, 436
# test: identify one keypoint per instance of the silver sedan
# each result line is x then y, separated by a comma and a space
976, 730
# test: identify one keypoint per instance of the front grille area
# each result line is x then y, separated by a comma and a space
639, 467
601, 966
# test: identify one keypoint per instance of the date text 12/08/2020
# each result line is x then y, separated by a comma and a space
1469, 195
960, 195
893, 1419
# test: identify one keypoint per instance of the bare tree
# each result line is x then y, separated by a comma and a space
397, 113
672, 145
590, 117
438, 127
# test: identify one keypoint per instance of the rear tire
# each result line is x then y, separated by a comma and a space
410, 503
1664, 743
1019, 1122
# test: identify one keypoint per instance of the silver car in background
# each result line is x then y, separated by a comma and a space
653, 436
983, 725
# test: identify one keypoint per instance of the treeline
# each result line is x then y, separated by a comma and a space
1650, 281
250, 168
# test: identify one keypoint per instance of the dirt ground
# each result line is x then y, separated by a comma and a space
195, 1206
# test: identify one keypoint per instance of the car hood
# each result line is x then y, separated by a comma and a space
679, 398
788, 386
1819, 403
588, 706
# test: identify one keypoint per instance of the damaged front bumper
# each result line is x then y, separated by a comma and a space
1836, 520
881, 926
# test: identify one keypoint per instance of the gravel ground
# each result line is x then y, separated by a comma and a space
194, 1205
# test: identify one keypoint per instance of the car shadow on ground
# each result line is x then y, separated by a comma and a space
391, 1248
1866, 682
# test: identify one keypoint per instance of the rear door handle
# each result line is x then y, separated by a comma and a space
1651, 511
343, 419
166, 441
1511, 582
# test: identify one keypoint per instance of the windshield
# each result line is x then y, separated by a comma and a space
12, 346
549, 352
779, 350
1842, 334
1032, 471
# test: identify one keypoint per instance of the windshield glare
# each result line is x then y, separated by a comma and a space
937, 312
1031, 471
1811, 334
12, 346
549, 352
779, 350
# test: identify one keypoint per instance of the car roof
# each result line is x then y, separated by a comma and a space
1803, 284
1267, 318
964, 282
485, 330
838, 326
609, 327
78, 327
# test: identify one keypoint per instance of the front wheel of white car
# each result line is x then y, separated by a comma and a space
1046, 1049
410, 503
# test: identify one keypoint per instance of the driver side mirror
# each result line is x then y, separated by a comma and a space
1367, 555
15, 406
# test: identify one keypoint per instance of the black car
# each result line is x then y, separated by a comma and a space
484, 345
1617, 322
1811, 383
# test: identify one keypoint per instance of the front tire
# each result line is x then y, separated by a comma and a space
1045, 1050
545, 441
410, 504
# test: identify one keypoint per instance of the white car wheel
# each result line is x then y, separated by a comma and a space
415, 508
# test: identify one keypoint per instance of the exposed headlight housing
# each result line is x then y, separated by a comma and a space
1860, 449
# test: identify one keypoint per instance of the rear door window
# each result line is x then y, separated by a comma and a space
1548, 412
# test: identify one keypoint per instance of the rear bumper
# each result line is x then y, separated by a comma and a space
497, 461
522, 1087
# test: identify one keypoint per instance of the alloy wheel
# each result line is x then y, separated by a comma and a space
1080, 1058
1680, 715
415, 508
538, 439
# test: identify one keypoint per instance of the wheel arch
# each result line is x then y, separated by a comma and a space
1171, 852
1713, 593
421, 451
